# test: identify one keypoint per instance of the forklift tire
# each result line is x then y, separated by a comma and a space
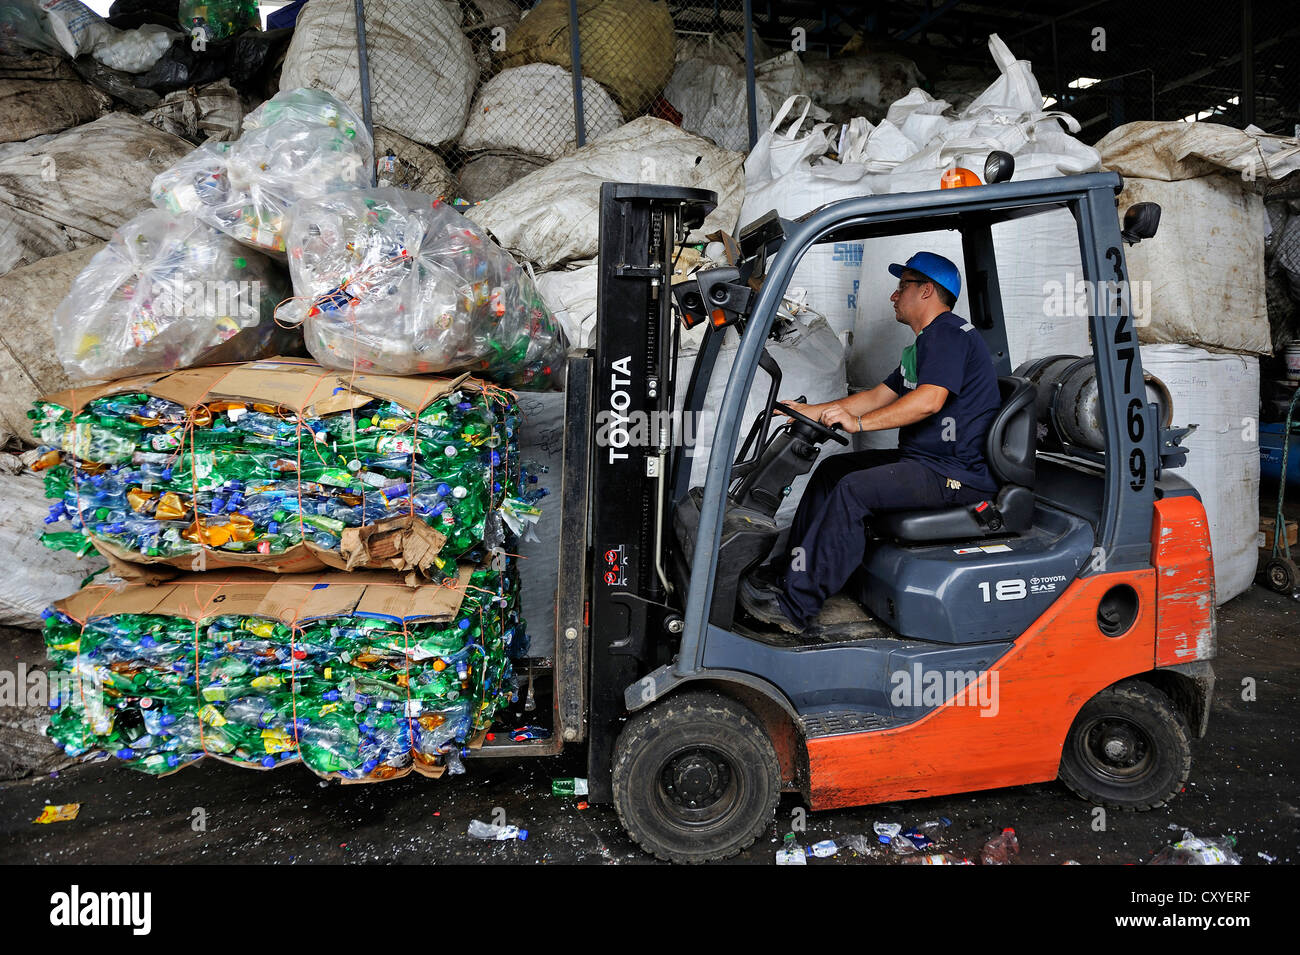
695, 778
1129, 748
1280, 575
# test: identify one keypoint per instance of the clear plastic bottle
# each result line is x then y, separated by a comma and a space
1190, 850
1001, 849
486, 830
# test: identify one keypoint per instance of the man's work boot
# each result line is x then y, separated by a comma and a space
769, 577
763, 604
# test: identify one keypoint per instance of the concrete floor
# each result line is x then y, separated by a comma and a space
1244, 782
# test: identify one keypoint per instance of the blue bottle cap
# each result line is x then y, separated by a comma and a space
268, 761
523, 835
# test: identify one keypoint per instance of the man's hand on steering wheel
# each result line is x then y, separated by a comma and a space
836, 414
808, 411
810, 417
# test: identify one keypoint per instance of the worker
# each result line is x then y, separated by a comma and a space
942, 397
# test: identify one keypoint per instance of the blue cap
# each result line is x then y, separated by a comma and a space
936, 268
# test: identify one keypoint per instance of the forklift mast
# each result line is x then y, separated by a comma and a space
632, 463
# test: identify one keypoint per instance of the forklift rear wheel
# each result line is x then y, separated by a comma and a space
1280, 574
1129, 748
695, 778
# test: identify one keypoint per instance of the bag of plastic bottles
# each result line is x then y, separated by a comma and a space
300, 144
291, 469
168, 292
350, 694
393, 281
218, 19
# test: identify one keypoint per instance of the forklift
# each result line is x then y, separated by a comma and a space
1062, 629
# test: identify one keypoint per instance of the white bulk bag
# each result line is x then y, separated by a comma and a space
553, 215
422, 68
64, 192
529, 109
571, 297
1219, 394
787, 171
706, 90
1203, 272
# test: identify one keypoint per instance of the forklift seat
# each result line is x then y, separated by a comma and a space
1009, 450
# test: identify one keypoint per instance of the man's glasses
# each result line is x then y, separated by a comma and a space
911, 282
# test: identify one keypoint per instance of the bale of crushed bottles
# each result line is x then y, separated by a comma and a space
300, 144
168, 292
393, 281
284, 466
356, 676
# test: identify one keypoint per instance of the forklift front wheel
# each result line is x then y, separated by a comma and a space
695, 778
1129, 748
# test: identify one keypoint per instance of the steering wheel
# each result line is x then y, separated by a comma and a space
821, 429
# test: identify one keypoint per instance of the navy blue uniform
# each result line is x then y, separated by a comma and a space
952, 355
939, 463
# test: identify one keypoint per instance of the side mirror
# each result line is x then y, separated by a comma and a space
1141, 220
999, 167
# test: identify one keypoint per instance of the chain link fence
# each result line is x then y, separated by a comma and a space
467, 97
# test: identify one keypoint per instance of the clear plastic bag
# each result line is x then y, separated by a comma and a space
135, 51
167, 292
301, 144
196, 185
391, 281
22, 28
